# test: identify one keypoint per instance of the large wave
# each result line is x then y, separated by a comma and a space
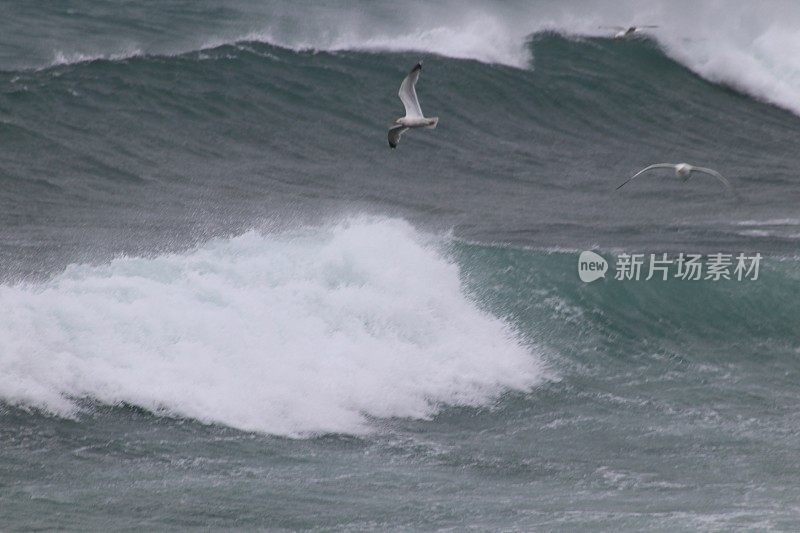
751, 46
289, 333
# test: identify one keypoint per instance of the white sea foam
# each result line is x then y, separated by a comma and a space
290, 333
770, 222
63, 58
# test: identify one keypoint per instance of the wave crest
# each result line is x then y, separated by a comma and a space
290, 334
751, 47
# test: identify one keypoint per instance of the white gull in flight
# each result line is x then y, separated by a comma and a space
683, 171
414, 117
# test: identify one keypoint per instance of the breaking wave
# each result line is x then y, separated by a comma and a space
291, 334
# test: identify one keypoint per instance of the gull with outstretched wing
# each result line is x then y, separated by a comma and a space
683, 171
414, 117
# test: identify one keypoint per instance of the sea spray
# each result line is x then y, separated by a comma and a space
291, 334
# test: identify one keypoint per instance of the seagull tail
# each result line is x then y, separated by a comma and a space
432, 123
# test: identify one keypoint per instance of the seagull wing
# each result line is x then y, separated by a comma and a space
618, 28
408, 93
651, 167
394, 135
650, 26
714, 173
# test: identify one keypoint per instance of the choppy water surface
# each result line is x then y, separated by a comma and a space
226, 303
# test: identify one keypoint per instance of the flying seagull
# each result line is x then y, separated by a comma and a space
682, 171
624, 32
414, 117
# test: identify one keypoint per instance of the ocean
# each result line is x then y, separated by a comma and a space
227, 304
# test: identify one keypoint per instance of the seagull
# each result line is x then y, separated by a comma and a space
414, 117
623, 32
682, 171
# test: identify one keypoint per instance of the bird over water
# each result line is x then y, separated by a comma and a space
683, 171
414, 117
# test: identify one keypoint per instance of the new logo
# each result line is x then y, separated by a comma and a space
591, 266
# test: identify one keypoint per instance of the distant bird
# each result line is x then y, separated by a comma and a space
414, 117
682, 171
623, 32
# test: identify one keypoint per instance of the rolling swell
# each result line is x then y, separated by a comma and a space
210, 141
588, 81
542, 288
